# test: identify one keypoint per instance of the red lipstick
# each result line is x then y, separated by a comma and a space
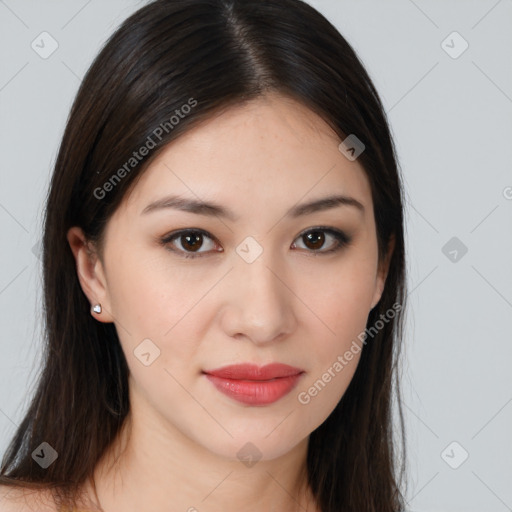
253, 385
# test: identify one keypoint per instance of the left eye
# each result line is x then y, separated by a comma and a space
313, 239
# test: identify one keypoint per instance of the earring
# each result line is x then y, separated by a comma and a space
97, 308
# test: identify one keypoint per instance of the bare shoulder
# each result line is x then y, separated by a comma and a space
15, 499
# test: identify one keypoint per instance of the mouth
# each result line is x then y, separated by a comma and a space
253, 385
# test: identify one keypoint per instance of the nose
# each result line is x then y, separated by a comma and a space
261, 305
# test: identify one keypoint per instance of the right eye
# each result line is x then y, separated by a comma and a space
190, 240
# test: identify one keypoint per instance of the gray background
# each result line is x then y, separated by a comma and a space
451, 118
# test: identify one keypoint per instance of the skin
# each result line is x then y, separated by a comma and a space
179, 447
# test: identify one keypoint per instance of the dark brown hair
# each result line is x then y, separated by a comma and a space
213, 54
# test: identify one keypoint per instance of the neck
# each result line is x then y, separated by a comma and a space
153, 466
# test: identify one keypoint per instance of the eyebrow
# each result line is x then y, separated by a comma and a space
213, 209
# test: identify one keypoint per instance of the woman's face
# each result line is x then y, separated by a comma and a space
263, 286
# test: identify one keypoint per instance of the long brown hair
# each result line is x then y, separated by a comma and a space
214, 54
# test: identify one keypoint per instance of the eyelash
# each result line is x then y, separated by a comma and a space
342, 240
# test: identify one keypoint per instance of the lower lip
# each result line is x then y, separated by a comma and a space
251, 392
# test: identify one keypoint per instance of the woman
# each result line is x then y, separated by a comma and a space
224, 275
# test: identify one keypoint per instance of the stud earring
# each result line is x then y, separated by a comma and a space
97, 308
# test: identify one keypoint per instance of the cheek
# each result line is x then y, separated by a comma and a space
335, 355
173, 305
342, 301
156, 308
343, 297
151, 294
345, 316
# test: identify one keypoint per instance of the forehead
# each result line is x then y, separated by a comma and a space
272, 150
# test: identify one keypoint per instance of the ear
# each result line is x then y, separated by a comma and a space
382, 273
90, 273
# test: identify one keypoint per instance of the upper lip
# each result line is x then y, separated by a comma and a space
249, 371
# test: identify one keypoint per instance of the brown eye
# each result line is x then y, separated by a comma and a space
316, 238
189, 242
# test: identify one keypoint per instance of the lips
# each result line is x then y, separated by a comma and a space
253, 385
253, 372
